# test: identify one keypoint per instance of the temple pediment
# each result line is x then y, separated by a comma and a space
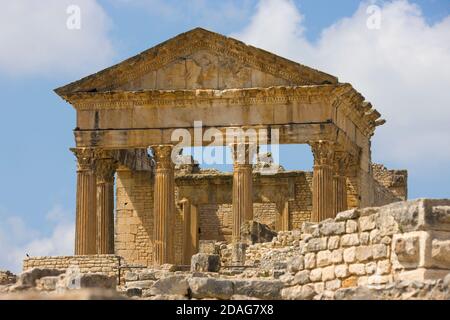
200, 59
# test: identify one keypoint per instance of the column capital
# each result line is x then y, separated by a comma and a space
85, 158
243, 152
341, 163
105, 169
323, 151
163, 156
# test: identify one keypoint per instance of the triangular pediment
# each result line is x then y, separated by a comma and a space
199, 59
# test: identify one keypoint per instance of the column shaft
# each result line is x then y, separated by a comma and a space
105, 169
164, 205
322, 181
85, 228
242, 205
339, 194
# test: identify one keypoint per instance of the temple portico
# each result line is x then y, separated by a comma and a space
134, 200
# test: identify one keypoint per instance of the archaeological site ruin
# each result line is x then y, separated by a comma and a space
176, 230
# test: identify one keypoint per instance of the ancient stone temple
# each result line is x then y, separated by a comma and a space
134, 201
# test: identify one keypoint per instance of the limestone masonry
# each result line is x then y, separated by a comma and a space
163, 230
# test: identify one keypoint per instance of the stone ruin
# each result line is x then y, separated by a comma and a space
178, 231
398, 251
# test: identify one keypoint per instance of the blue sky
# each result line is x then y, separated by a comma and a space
407, 79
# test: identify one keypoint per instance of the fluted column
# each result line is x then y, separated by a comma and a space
322, 180
341, 162
164, 205
242, 206
85, 228
105, 168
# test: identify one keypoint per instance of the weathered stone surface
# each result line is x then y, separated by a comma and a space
332, 228
142, 284
262, 289
315, 275
47, 283
171, 285
346, 215
341, 271
296, 264
302, 277
254, 232
211, 288
316, 244
310, 260
29, 277
205, 262
305, 292
328, 273
323, 258
134, 292
349, 240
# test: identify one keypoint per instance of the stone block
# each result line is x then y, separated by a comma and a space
346, 215
333, 284
323, 258
170, 285
363, 253
336, 256
310, 260
349, 240
328, 273
203, 288
203, 262
315, 275
383, 267
341, 271
351, 226
358, 269
371, 267
261, 289
331, 228
333, 242
316, 244
301, 277
350, 255
305, 292
296, 264
367, 223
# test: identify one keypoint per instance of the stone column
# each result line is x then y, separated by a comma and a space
105, 168
242, 186
85, 228
164, 205
341, 162
322, 180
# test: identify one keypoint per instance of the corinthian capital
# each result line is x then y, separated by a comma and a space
85, 158
341, 163
105, 169
163, 156
323, 151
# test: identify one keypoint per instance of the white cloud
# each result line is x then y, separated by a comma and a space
403, 69
17, 238
35, 39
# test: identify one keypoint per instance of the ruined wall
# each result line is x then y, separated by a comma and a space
372, 246
211, 192
396, 181
134, 216
106, 263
